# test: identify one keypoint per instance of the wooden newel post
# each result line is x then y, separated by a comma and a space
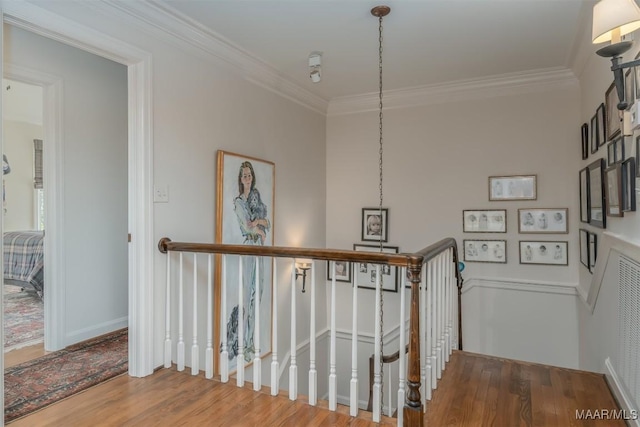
413, 411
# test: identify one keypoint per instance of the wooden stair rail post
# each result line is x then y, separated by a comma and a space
412, 412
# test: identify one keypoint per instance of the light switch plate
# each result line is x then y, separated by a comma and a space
161, 194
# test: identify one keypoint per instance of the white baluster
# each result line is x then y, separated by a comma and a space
313, 373
433, 314
275, 365
422, 316
224, 354
195, 348
293, 366
403, 340
333, 387
180, 320
447, 316
240, 357
208, 369
353, 411
439, 298
167, 316
377, 378
257, 361
427, 284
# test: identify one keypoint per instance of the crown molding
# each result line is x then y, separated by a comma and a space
169, 25
463, 90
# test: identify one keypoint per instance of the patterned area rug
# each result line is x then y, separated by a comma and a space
40, 382
23, 318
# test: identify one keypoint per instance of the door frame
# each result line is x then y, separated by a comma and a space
140, 170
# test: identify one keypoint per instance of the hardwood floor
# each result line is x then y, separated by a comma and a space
476, 390
24, 354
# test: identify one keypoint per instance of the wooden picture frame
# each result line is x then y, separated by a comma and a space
629, 185
365, 273
543, 220
342, 269
484, 221
513, 187
584, 248
597, 216
584, 133
613, 190
601, 120
544, 252
584, 195
374, 227
245, 201
494, 251
613, 115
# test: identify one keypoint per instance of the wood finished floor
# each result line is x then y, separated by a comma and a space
475, 390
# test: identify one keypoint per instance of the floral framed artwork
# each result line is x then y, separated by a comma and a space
584, 248
543, 220
613, 115
629, 185
365, 274
484, 221
597, 216
601, 120
515, 187
584, 195
613, 190
485, 251
342, 269
375, 224
584, 132
544, 252
245, 191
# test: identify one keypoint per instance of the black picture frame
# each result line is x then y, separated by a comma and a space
342, 275
597, 217
613, 116
613, 190
638, 154
364, 273
371, 217
584, 248
615, 151
630, 88
601, 120
585, 204
595, 133
629, 185
584, 132
593, 251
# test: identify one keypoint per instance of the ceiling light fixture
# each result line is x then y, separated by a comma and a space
612, 19
315, 62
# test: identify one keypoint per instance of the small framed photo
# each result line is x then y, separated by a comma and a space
597, 216
584, 132
365, 274
484, 221
630, 88
601, 119
615, 151
543, 220
342, 269
375, 224
595, 142
613, 190
629, 185
516, 187
584, 195
544, 253
593, 251
485, 251
613, 115
584, 248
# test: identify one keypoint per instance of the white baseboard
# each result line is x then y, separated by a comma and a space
95, 331
620, 393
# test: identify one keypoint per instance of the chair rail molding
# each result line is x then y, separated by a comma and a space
520, 285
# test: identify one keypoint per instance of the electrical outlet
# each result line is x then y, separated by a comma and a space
161, 194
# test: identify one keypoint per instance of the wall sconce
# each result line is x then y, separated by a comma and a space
315, 61
612, 19
302, 266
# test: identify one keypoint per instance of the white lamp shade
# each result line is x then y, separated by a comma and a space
303, 262
609, 15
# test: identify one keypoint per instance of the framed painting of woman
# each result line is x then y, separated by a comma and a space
245, 190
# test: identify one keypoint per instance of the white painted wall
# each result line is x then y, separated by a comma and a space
95, 179
19, 192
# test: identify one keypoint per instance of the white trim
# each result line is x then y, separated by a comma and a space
610, 242
521, 285
619, 391
141, 300
463, 90
98, 330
